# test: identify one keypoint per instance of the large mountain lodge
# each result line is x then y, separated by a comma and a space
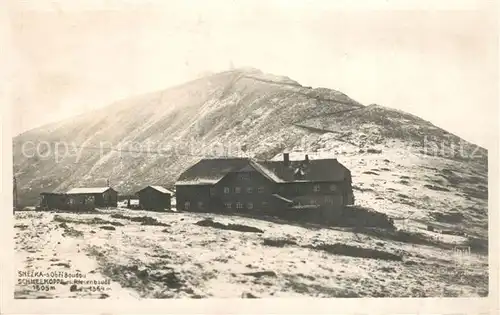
271, 187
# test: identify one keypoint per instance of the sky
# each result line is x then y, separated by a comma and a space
435, 59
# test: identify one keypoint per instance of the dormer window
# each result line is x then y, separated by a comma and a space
316, 188
333, 187
237, 190
244, 176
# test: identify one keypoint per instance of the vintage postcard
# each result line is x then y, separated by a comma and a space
190, 156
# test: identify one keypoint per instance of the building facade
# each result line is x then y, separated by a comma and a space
62, 201
99, 196
271, 187
49, 201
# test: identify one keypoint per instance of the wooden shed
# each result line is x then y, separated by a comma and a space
50, 200
155, 198
100, 196
62, 201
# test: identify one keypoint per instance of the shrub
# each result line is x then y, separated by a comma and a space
234, 227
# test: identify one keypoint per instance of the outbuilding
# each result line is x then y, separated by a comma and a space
155, 198
99, 196
50, 200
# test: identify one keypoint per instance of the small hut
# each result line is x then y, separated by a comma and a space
99, 196
155, 198
50, 200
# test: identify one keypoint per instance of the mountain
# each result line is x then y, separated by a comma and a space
401, 164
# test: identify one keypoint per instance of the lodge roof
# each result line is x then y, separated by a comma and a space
87, 190
210, 171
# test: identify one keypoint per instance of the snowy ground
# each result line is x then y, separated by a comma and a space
179, 259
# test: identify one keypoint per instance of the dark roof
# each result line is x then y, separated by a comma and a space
323, 170
88, 190
158, 188
210, 171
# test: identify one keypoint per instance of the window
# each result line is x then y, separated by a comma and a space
200, 205
329, 200
261, 190
187, 204
250, 205
333, 187
226, 190
237, 190
244, 176
239, 205
249, 190
316, 188
265, 204
227, 205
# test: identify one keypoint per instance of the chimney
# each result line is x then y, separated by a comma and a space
286, 159
306, 159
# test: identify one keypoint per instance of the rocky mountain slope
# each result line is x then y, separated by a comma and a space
401, 164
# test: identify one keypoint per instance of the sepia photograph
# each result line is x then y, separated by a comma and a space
250, 150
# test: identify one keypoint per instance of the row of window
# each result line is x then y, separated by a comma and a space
228, 205
187, 205
250, 205
240, 205
250, 190
316, 188
237, 190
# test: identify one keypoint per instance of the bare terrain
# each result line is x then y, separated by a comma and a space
173, 255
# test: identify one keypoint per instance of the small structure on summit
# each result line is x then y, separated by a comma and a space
99, 196
273, 187
155, 198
